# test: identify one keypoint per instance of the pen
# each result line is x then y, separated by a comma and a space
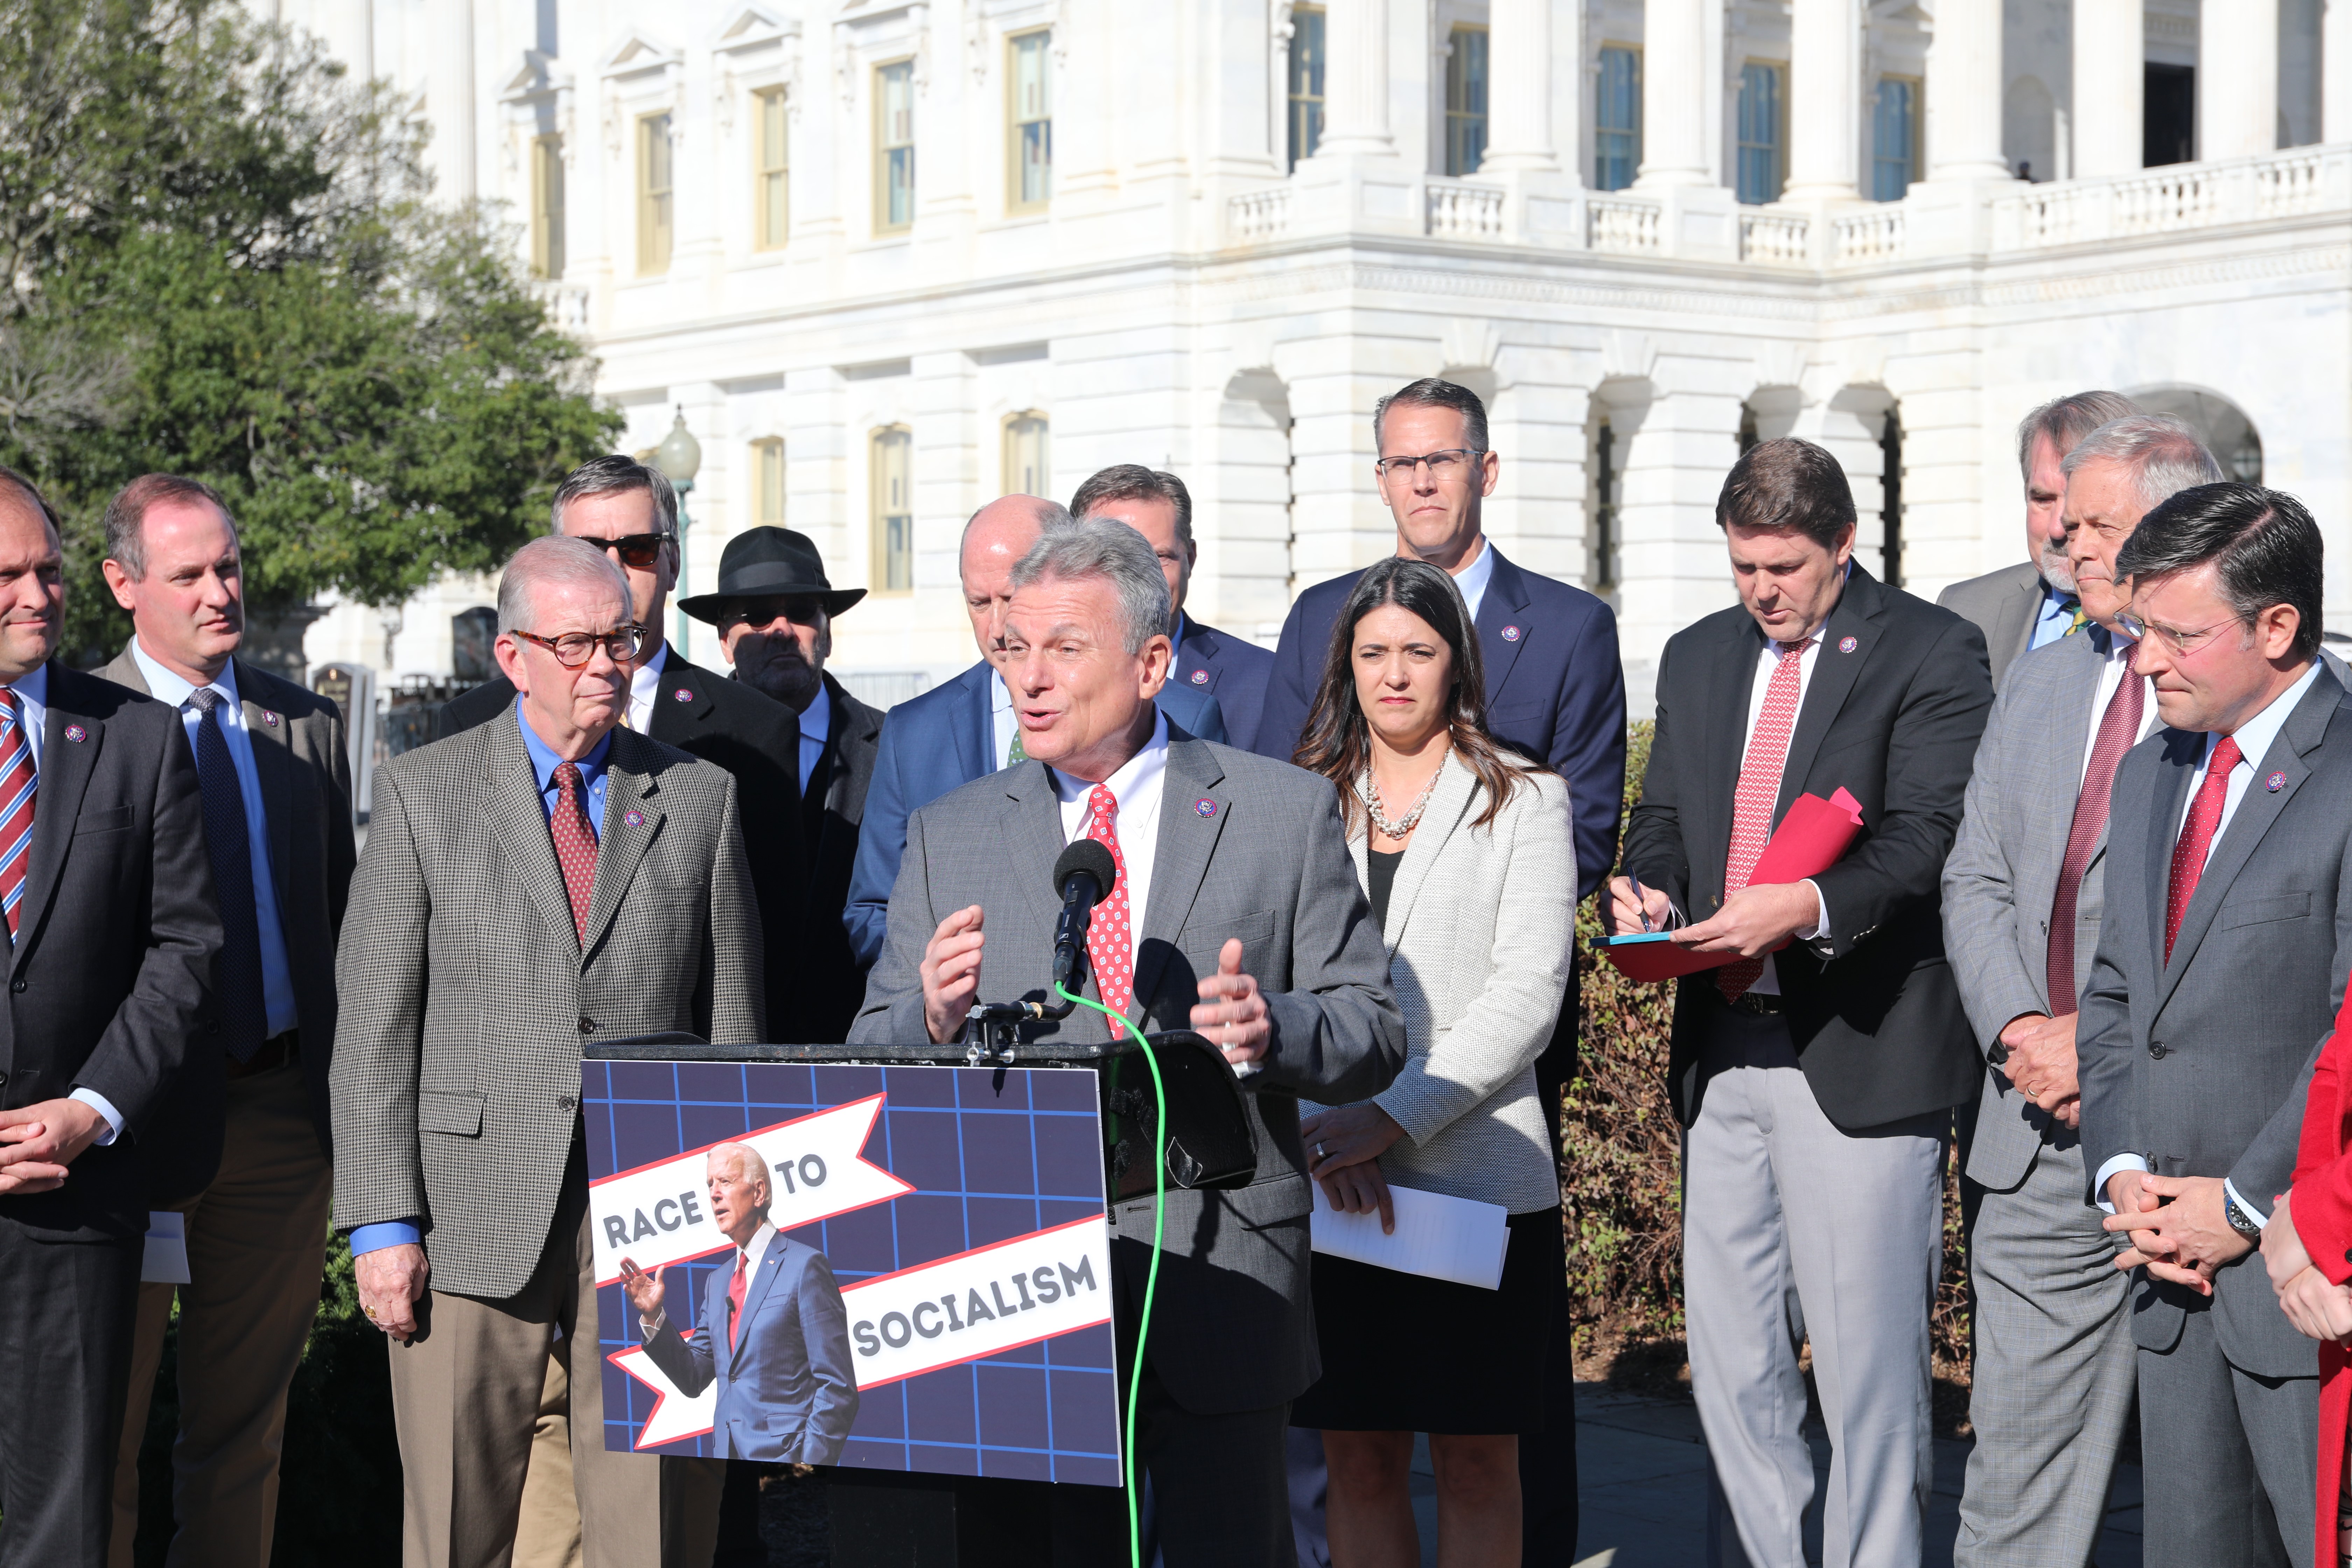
1641, 899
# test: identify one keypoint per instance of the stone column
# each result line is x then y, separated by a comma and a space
1356, 87
1673, 94
2110, 57
1824, 101
1519, 68
1964, 92
450, 89
2237, 78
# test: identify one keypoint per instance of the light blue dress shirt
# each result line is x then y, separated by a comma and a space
2051, 621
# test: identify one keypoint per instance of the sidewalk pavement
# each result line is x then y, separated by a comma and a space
1642, 1465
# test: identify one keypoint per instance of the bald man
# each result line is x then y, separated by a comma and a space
963, 730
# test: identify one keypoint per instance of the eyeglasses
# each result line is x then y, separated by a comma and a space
1447, 465
637, 550
2183, 644
573, 650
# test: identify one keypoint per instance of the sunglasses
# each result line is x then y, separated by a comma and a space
637, 550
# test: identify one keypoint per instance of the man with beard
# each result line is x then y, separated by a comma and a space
2034, 603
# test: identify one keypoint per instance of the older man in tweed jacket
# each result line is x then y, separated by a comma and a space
536, 882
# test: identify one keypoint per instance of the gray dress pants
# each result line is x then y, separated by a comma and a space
2231, 1458
1793, 1228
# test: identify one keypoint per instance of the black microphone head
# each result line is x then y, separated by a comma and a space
1085, 856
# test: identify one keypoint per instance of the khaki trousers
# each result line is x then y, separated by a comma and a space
468, 1393
256, 1243
549, 1535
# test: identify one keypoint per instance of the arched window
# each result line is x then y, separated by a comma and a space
893, 503
1026, 470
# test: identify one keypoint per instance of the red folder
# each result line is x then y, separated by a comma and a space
1807, 843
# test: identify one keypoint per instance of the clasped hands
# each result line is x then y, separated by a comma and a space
2318, 1308
1753, 921
2041, 1064
1232, 1013
37, 1142
1343, 1148
2179, 1228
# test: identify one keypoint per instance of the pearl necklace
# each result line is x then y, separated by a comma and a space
1398, 829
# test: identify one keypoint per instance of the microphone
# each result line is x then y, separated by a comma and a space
1084, 877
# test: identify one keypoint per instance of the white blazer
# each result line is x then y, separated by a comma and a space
1480, 933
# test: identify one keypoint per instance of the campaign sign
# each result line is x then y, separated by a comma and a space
937, 1295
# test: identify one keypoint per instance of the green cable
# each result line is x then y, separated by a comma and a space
1151, 1276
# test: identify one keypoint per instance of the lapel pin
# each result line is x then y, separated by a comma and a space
1199, 678
76, 733
682, 695
1847, 644
1510, 633
2275, 782
634, 818
1205, 807
268, 717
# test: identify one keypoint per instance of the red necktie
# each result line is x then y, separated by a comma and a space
1108, 943
17, 787
735, 1298
1758, 792
2118, 730
575, 844
2197, 838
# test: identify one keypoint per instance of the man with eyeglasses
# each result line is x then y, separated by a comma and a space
537, 882
1555, 691
2219, 966
2024, 897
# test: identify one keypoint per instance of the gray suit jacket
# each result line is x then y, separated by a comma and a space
2202, 1062
466, 995
2002, 605
305, 772
2003, 875
1250, 848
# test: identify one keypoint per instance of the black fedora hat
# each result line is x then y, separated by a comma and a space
769, 564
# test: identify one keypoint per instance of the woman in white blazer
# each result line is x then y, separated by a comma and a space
1465, 852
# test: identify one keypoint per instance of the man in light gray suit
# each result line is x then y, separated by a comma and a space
1236, 912
2052, 1376
2033, 603
2221, 963
538, 881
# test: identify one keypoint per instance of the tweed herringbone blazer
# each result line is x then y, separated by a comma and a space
467, 995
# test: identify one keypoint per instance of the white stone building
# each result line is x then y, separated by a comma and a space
891, 259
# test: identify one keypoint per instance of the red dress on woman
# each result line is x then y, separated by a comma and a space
2322, 1218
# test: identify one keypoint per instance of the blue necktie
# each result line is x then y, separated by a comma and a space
237, 974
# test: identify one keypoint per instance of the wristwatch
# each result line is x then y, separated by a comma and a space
2241, 1221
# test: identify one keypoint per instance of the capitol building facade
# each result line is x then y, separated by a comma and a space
890, 259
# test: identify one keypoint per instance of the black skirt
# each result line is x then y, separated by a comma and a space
1403, 1353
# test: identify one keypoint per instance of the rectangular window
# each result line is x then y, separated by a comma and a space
1760, 100
768, 482
1617, 120
1026, 472
1306, 82
770, 175
1465, 100
1029, 151
894, 511
547, 207
1895, 137
894, 146
654, 195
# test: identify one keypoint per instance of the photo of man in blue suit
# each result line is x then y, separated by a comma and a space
773, 1332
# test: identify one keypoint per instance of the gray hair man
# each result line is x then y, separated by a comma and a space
2024, 896
2033, 603
1297, 985
963, 729
540, 881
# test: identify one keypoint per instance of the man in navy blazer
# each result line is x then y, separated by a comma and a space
773, 1333
964, 730
1232, 670
1556, 692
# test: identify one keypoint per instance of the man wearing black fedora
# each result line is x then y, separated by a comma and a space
774, 608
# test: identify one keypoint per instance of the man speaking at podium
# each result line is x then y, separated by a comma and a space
1236, 912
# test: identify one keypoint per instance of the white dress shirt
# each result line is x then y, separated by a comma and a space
644, 685
1137, 788
2110, 676
816, 723
1769, 983
1001, 722
1472, 579
2253, 737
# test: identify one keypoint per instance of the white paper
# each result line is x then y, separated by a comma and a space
165, 1261
1459, 1239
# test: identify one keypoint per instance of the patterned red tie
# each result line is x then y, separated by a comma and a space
1758, 792
575, 844
2197, 838
17, 787
2118, 730
1108, 947
735, 1298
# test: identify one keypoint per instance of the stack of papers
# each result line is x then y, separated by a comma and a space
1459, 1239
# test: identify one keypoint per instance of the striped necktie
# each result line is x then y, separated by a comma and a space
18, 783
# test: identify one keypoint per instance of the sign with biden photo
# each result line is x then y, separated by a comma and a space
889, 1267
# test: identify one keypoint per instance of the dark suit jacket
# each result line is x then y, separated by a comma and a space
1233, 670
2003, 604
787, 1390
1873, 1007
2204, 1061
934, 743
115, 939
829, 981
305, 769
753, 737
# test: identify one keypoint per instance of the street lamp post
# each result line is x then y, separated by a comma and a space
680, 458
